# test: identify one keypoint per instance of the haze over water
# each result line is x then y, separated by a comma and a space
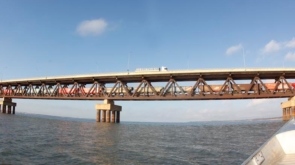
33, 139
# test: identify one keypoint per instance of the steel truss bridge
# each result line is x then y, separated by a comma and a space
139, 85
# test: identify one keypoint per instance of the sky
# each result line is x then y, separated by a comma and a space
70, 37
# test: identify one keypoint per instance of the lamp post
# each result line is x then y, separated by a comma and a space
188, 62
128, 63
244, 58
97, 67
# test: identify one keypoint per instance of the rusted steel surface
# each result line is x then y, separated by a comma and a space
116, 87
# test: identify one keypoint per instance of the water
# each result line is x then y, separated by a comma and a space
31, 139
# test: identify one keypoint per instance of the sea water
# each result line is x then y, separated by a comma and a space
37, 139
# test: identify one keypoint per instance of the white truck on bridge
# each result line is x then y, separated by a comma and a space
161, 69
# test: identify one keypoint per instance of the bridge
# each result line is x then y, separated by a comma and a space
214, 84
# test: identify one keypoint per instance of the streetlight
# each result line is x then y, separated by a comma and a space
188, 62
97, 67
128, 62
244, 58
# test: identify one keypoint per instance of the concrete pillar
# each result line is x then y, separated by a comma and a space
7, 102
103, 115
288, 106
288, 113
118, 117
4, 108
293, 111
109, 110
108, 116
13, 110
113, 116
9, 109
98, 115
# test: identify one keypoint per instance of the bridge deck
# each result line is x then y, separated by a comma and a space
162, 76
140, 85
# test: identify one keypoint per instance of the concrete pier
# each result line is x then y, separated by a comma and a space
118, 117
111, 112
98, 115
7, 104
113, 116
9, 109
103, 119
288, 108
4, 108
108, 116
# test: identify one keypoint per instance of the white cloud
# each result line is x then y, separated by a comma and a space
290, 44
256, 102
290, 56
272, 46
234, 49
92, 27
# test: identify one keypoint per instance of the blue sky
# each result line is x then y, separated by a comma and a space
48, 38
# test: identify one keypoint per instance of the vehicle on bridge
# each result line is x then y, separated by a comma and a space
161, 69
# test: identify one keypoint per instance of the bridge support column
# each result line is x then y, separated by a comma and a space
288, 108
113, 116
118, 117
103, 116
7, 102
4, 109
285, 114
109, 110
108, 116
98, 115
288, 113
9, 109
13, 110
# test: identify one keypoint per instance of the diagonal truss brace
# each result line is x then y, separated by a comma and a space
19, 90
29, 90
171, 87
43, 91
257, 85
229, 86
97, 89
283, 84
200, 87
9, 91
59, 90
74, 91
120, 88
145, 88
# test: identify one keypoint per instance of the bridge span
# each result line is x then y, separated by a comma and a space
199, 85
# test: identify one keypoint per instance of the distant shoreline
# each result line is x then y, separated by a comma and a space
90, 119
